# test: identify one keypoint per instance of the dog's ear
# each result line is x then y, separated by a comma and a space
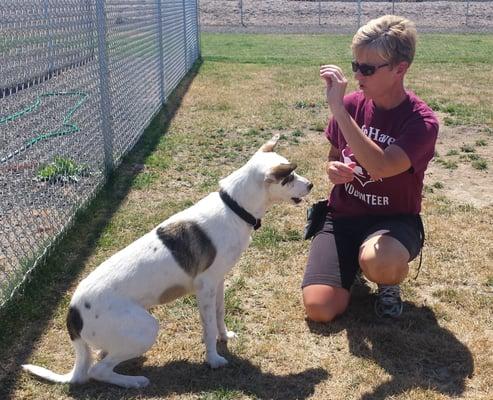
269, 146
279, 172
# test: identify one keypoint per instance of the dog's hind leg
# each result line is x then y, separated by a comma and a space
224, 334
128, 334
206, 295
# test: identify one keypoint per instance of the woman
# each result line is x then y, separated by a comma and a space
382, 138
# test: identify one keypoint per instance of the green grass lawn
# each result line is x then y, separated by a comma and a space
247, 88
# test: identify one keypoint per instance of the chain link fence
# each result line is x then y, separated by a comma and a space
318, 16
80, 80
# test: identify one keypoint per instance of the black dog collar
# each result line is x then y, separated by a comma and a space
239, 210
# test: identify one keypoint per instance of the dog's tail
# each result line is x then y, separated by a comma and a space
83, 361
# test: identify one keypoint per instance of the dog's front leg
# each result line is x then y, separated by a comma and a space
206, 295
224, 334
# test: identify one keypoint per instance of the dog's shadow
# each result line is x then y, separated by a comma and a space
413, 349
240, 376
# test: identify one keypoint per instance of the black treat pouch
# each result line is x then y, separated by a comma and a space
315, 218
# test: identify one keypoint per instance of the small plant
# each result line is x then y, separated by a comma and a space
298, 133
448, 164
318, 127
480, 164
62, 170
300, 104
452, 153
481, 143
428, 189
438, 185
467, 148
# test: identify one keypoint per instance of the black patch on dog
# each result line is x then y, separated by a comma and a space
74, 323
87, 305
190, 246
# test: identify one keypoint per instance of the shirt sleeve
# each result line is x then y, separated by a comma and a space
418, 142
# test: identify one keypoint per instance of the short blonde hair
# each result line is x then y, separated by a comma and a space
391, 36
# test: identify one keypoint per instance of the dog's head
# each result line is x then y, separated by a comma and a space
279, 178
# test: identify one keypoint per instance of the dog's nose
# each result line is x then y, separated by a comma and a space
310, 186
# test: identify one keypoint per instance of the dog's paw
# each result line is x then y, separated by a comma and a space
224, 337
216, 361
135, 382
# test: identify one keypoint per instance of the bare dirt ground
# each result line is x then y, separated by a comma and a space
462, 167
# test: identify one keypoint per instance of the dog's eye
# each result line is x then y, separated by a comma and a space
288, 179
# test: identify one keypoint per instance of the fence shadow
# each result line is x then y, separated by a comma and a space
414, 349
180, 377
25, 317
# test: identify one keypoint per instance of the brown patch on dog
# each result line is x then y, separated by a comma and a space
171, 294
74, 323
190, 246
269, 146
280, 172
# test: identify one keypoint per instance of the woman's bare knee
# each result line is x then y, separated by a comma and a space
320, 313
323, 303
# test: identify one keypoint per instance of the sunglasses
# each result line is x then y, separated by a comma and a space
366, 69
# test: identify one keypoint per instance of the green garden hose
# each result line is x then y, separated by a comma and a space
67, 128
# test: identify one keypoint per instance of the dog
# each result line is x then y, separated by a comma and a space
190, 252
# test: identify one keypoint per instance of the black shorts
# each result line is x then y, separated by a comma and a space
334, 252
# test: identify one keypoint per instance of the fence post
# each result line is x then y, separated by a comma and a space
359, 13
46, 14
319, 11
162, 83
185, 35
105, 99
241, 13
197, 31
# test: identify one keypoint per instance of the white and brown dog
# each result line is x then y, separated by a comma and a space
188, 253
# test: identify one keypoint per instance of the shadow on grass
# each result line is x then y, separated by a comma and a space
26, 316
413, 349
182, 377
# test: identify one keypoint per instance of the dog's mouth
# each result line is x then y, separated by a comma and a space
296, 200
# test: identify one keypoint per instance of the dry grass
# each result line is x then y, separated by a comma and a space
441, 348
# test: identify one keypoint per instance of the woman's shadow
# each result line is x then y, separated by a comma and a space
413, 349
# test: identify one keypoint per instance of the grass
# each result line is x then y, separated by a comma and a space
249, 87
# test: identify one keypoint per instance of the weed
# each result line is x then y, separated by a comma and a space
318, 127
64, 170
467, 148
481, 143
448, 164
438, 185
480, 164
452, 153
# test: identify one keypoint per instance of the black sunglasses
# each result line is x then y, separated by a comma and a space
366, 69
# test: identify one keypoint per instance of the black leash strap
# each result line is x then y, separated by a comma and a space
239, 210
422, 233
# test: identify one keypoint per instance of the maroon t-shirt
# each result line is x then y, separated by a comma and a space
413, 127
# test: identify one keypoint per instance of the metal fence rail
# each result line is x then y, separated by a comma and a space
80, 80
343, 16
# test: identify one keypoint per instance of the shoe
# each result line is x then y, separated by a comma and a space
389, 303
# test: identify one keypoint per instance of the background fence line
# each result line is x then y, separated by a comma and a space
343, 16
80, 80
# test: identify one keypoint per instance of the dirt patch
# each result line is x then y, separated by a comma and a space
462, 167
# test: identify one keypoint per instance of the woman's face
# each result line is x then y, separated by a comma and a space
383, 80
